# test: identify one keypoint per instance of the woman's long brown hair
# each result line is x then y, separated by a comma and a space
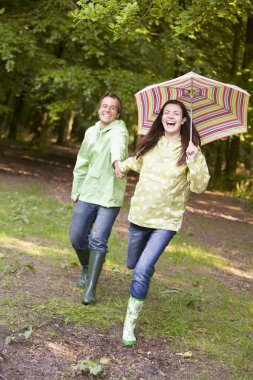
157, 131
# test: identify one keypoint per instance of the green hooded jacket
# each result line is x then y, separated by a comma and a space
94, 180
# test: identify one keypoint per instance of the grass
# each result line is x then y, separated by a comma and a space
187, 304
26, 214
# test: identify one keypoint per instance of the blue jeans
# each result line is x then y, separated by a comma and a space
145, 246
91, 226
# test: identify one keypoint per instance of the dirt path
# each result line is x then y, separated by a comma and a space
18, 165
213, 220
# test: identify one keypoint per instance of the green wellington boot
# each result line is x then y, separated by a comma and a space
133, 310
83, 255
96, 262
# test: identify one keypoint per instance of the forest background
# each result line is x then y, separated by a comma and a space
58, 57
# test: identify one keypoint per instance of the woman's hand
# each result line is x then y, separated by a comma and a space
191, 151
117, 171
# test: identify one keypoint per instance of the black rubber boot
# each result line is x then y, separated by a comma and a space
96, 262
83, 256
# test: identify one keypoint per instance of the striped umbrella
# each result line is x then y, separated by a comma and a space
217, 109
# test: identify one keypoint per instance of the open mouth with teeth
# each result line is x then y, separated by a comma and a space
171, 123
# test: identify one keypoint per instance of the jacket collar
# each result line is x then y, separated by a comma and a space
113, 124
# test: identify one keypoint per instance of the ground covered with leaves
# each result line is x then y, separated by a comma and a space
196, 322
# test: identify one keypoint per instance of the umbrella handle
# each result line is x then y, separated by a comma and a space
191, 126
191, 95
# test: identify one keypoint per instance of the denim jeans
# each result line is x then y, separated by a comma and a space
145, 246
91, 226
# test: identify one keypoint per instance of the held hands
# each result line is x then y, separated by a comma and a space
191, 151
117, 171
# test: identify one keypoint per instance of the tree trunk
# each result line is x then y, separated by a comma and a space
70, 125
6, 120
233, 155
248, 56
236, 52
62, 127
248, 51
39, 128
18, 103
218, 161
233, 147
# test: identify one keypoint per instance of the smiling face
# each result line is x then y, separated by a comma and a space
108, 111
172, 120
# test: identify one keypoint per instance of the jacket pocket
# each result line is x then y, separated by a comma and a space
93, 174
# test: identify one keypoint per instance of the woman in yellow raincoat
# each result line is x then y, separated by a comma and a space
170, 166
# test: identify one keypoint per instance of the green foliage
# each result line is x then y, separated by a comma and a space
26, 334
89, 366
58, 58
124, 17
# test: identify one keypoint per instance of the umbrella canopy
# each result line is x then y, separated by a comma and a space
218, 110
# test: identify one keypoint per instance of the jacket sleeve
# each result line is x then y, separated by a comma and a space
198, 174
80, 169
119, 144
132, 163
